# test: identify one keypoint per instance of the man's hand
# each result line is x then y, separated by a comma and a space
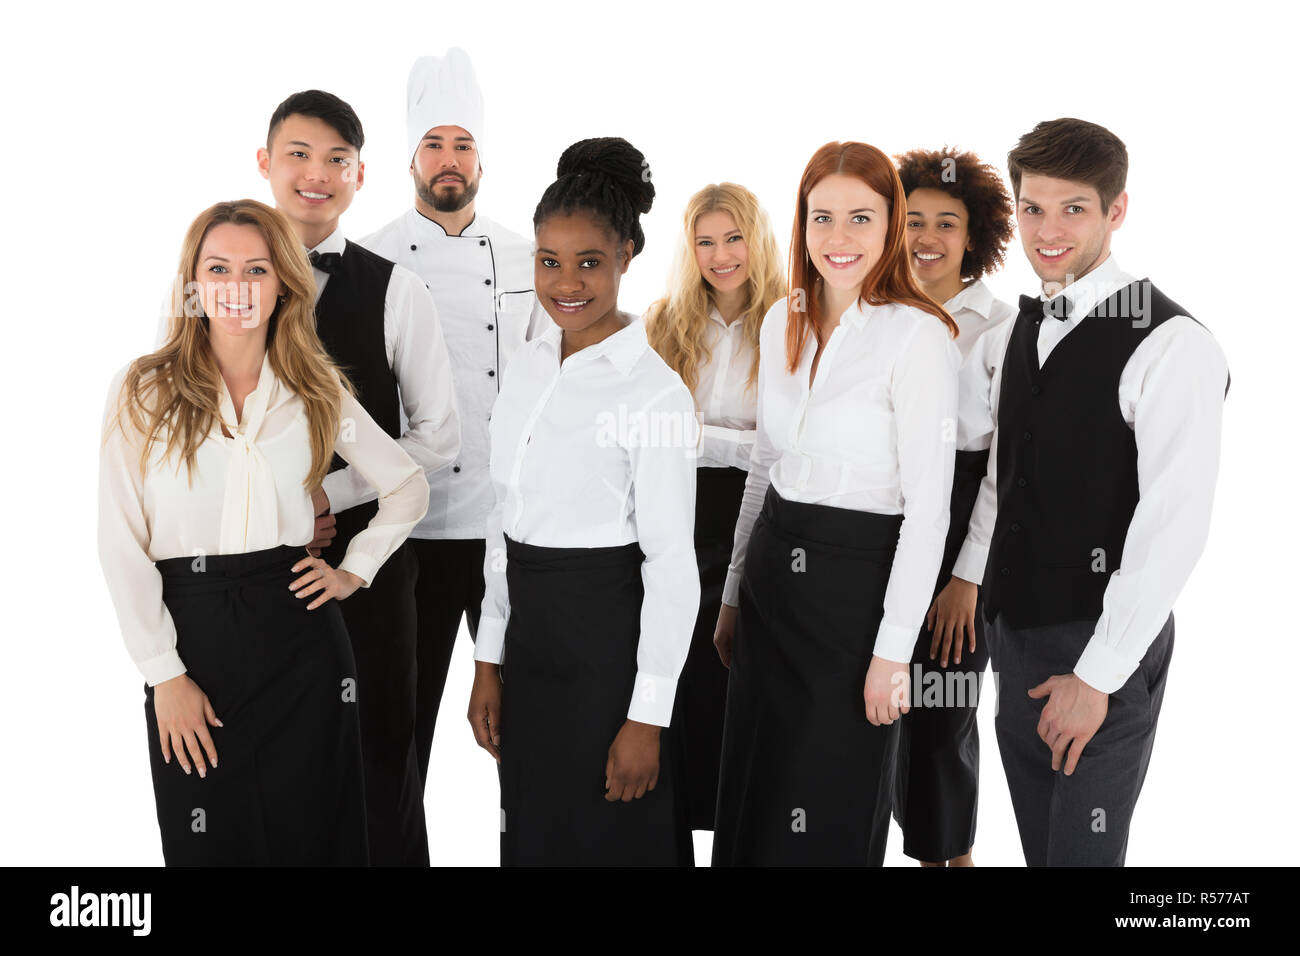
1072, 715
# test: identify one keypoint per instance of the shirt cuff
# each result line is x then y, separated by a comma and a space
731, 589
652, 698
490, 643
362, 565
894, 643
970, 563
163, 667
1104, 668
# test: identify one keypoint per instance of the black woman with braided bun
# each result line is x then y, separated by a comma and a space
590, 573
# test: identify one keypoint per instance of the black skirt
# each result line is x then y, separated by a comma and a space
568, 673
936, 792
287, 790
805, 779
696, 731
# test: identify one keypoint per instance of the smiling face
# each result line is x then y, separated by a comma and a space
1063, 227
720, 251
236, 278
446, 169
313, 171
845, 230
938, 236
577, 270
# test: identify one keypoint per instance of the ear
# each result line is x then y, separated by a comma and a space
628, 246
1118, 210
264, 162
361, 172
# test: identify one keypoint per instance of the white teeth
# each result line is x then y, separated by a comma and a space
303, 192
1053, 253
572, 305
727, 271
844, 259
929, 256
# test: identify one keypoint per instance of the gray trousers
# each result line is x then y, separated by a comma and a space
1082, 819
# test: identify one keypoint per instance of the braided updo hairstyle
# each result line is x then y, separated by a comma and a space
607, 176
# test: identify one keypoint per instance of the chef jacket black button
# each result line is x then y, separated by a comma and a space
412, 247
1006, 572
491, 372
1021, 482
482, 242
1028, 436
455, 467
490, 326
1015, 527
1036, 389
487, 281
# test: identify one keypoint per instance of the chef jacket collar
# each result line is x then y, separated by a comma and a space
424, 224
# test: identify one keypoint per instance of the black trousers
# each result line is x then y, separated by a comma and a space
449, 584
287, 790
936, 791
700, 706
568, 672
381, 623
805, 778
1082, 819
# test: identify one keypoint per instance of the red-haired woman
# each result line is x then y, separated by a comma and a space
959, 220
841, 530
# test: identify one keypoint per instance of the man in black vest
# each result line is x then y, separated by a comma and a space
1108, 408
378, 322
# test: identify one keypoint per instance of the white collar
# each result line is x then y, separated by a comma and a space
424, 226
334, 242
1086, 292
975, 297
623, 348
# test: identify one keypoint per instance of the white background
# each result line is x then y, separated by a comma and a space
122, 121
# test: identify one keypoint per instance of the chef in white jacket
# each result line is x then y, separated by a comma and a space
481, 277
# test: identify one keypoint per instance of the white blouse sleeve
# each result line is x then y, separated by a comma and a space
134, 583
763, 454
924, 393
489, 643
663, 495
403, 489
727, 446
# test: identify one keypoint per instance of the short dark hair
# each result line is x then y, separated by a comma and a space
1072, 149
325, 107
607, 176
962, 176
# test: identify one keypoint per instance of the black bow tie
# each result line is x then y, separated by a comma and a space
1036, 308
326, 262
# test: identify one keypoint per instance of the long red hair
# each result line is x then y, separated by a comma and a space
890, 279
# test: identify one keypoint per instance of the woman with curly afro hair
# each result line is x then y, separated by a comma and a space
959, 220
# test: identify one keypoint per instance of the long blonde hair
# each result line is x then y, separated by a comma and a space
177, 389
676, 324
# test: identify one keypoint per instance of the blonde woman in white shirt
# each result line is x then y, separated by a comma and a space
213, 452
840, 531
727, 275
591, 586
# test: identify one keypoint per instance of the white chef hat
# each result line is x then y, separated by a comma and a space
443, 91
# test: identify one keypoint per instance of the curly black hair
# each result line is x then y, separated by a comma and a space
978, 185
608, 176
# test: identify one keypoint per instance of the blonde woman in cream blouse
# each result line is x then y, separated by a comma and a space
213, 453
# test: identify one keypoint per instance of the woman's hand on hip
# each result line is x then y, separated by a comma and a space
320, 577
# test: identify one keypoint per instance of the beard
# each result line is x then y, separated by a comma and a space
447, 199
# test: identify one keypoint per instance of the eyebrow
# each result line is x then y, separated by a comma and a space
584, 252
955, 215
224, 259
1064, 202
333, 149
459, 139
852, 212
706, 235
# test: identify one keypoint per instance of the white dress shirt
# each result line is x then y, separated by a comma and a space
599, 451
728, 404
482, 283
1171, 394
417, 354
875, 433
976, 311
247, 495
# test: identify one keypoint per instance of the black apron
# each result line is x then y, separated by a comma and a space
937, 776
805, 779
287, 790
567, 673
696, 731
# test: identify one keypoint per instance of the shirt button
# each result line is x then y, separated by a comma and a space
1028, 436
482, 242
490, 326
412, 247
1021, 482
487, 281
491, 372
1014, 526
455, 468
1006, 572
1036, 390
